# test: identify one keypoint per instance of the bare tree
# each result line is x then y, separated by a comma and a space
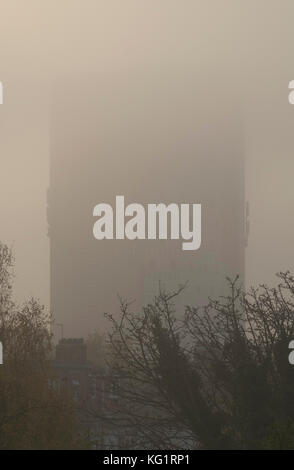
216, 377
33, 415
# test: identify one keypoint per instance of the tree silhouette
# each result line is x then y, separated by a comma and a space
33, 415
217, 377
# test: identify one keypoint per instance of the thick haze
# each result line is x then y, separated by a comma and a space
42, 44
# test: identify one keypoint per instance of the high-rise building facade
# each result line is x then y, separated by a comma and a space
154, 137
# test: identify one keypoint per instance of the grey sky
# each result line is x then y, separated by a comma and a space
43, 41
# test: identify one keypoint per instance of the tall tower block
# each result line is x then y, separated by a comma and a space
152, 136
